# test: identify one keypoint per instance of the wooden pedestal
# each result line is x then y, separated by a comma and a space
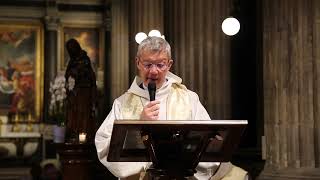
77, 160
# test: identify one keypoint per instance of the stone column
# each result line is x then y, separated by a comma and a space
119, 67
201, 51
145, 15
50, 60
291, 88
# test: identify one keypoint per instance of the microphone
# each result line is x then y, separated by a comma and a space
152, 90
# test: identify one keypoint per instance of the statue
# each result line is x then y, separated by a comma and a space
81, 91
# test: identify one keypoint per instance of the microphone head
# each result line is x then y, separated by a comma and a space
152, 90
152, 86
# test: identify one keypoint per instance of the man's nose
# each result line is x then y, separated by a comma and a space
153, 69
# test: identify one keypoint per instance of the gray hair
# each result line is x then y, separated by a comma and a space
154, 44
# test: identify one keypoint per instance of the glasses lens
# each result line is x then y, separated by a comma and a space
159, 66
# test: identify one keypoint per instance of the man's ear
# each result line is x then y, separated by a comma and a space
137, 63
170, 64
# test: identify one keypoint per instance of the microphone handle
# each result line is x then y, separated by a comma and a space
152, 95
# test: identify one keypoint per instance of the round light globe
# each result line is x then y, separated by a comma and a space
230, 26
154, 33
140, 37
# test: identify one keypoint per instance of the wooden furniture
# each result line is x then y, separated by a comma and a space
77, 160
175, 147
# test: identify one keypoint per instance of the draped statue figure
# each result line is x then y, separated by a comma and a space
81, 91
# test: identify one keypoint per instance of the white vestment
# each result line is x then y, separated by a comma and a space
103, 135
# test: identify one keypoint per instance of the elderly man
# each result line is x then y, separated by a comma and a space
173, 102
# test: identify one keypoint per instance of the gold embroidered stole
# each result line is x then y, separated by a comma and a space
131, 107
178, 105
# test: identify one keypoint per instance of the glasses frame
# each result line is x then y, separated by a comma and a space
159, 66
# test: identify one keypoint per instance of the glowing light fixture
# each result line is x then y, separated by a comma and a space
154, 33
140, 37
230, 26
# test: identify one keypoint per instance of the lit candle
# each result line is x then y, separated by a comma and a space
82, 137
29, 117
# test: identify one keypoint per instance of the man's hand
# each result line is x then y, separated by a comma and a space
151, 111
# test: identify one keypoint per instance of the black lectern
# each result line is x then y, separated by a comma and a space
174, 147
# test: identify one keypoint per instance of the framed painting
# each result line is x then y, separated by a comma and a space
91, 40
21, 69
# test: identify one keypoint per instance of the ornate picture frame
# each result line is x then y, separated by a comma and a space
21, 69
91, 39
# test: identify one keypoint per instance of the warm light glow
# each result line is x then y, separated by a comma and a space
154, 33
140, 37
230, 26
82, 137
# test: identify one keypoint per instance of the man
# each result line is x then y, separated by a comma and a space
173, 102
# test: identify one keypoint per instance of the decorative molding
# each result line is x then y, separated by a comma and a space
21, 12
80, 18
52, 22
81, 2
52, 18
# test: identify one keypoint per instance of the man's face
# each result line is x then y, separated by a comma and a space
153, 66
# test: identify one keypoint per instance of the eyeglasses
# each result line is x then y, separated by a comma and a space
160, 66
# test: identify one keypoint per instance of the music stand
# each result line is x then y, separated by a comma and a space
174, 147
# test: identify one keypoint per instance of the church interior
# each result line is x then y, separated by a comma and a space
268, 74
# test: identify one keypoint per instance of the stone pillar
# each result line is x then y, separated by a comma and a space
50, 60
104, 73
291, 100
120, 48
145, 15
316, 77
201, 51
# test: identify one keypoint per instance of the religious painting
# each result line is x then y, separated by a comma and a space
21, 69
90, 40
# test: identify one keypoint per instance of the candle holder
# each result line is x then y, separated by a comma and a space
82, 137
